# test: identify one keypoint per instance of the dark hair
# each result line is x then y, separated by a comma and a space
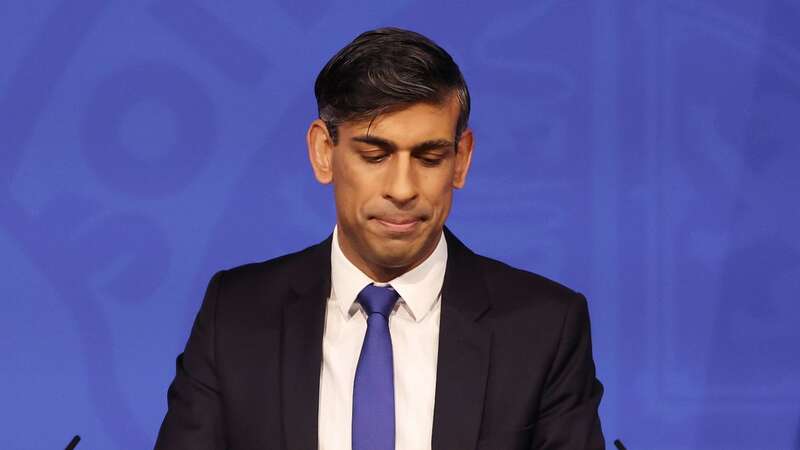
384, 70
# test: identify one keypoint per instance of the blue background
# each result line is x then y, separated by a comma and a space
643, 152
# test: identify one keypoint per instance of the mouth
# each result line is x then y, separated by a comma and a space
399, 225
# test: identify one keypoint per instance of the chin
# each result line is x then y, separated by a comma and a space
390, 256
394, 260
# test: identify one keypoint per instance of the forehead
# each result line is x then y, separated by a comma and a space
415, 123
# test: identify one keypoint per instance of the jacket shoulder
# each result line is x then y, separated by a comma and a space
512, 288
271, 268
272, 280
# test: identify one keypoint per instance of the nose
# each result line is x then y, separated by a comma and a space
401, 185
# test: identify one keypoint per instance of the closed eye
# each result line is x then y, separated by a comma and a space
431, 158
373, 158
428, 161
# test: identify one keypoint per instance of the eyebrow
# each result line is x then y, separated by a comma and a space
386, 144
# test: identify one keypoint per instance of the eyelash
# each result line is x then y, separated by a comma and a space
373, 159
430, 162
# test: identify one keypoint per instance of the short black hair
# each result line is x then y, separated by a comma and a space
384, 70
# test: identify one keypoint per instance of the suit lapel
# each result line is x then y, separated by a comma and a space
464, 352
301, 349
463, 361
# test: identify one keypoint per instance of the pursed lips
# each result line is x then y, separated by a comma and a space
398, 223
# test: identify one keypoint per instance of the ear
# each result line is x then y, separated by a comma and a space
320, 151
463, 158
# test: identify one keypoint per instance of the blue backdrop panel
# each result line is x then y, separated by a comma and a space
642, 152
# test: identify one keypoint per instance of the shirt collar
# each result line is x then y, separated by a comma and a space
419, 288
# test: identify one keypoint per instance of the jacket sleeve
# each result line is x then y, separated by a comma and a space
194, 405
568, 417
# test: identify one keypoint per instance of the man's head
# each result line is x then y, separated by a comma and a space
392, 138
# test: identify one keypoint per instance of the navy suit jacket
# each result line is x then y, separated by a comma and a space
515, 368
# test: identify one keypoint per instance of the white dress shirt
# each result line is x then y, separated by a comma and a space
414, 327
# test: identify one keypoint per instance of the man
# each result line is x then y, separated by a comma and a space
390, 334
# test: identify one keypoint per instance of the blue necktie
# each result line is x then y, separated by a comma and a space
373, 391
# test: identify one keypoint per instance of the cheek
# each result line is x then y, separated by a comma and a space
438, 188
443, 204
354, 189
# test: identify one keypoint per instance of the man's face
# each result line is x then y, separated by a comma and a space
393, 183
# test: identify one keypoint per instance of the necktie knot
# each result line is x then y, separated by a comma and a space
378, 299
